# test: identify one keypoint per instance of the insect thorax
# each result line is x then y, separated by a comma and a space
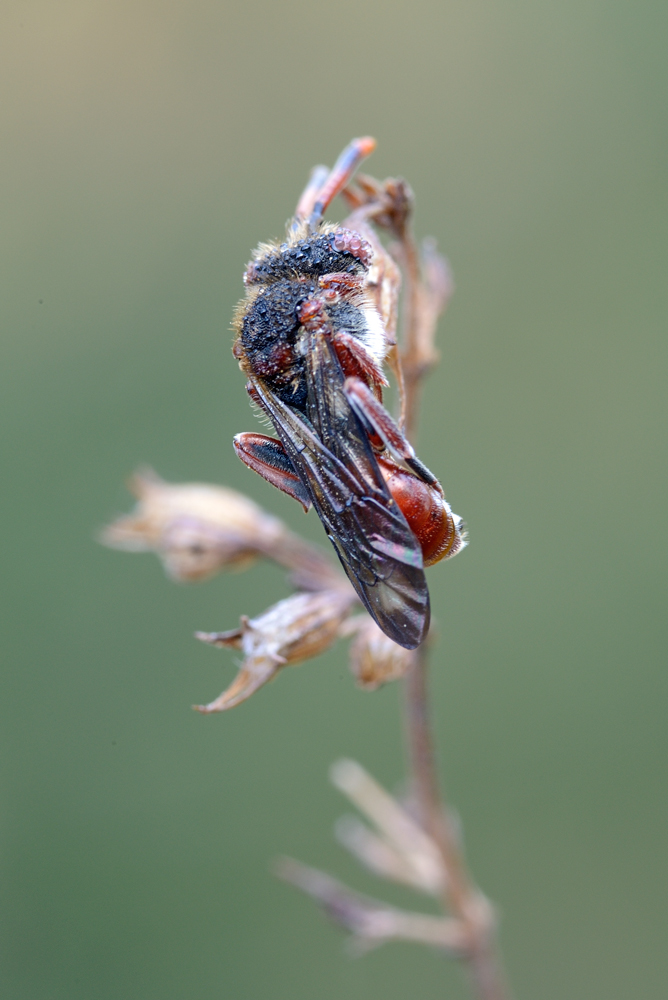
278, 283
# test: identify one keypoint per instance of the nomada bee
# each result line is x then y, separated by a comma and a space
312, 334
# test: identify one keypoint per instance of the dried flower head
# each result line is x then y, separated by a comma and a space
370, 921
199, 530
296, 629
374, 658
395, 846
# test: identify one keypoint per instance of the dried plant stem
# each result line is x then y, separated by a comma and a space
460, 895
199, 530
424, 298
412, 367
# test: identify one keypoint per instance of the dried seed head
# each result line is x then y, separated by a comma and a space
371, 921
398, 848
196, 529
374, 658
296, 629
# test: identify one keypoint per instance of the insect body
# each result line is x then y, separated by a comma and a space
312, 341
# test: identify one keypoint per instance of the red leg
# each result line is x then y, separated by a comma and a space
375, 416
417, 492
340, 284
266, 456
358, 363
355, 359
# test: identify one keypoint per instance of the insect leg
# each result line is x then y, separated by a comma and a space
357, 361
340, 284
374, 415
266, 456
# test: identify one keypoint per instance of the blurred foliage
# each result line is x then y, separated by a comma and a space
148, 146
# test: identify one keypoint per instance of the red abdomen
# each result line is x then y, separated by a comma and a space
427, 512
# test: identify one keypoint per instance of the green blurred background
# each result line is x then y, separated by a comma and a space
147, 147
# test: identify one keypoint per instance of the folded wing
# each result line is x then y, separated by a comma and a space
331, 452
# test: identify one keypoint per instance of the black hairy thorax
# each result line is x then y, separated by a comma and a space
280, 282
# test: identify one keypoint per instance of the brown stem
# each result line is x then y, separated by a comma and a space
411, 368
461, 897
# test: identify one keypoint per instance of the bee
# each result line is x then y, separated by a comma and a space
312, 335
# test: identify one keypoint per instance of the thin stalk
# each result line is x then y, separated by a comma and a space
461, 897
411, 367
